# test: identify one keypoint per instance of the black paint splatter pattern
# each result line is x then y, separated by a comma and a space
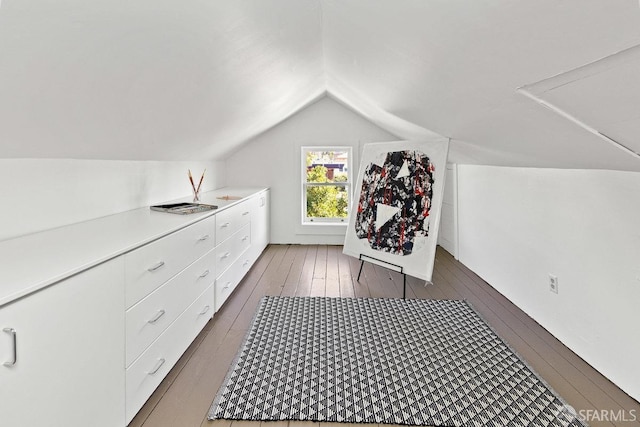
410, 193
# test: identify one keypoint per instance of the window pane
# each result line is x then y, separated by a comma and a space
327, 166
327, 201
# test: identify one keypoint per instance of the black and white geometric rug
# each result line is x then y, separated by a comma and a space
369, 360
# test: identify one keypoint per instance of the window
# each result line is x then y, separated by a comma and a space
326, 184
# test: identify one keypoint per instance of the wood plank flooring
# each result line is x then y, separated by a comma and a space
184, 397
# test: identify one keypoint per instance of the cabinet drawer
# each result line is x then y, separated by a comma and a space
146, 320
150, 266
227, 281
143, 376
231, 249
231, 220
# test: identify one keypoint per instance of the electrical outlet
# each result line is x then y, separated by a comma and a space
553, 283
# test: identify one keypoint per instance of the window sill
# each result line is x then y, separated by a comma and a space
326, 228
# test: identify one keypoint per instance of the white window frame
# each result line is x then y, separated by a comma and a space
348, 185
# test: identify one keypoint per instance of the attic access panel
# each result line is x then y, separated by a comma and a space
603, 97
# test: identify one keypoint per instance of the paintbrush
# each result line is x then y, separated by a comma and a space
191, 180
200, 183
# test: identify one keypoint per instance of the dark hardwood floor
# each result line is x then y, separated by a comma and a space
184, 397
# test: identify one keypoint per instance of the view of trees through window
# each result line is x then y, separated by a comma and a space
327, 184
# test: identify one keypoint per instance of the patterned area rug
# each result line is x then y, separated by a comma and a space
364, 360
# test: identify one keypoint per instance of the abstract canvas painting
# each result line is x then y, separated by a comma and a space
396, 207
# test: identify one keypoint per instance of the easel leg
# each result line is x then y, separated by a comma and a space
397, 268
404, 287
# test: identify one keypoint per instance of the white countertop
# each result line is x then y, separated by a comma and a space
35, 261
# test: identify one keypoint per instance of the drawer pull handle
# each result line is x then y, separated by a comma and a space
205, 274
225, 225
13, 334
226, 255
156, 317
244, 264
158, 366
155, 267
205, 237
245, 213
226, 286
204, 310
244, 239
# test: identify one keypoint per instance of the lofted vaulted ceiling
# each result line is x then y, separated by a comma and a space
195, 79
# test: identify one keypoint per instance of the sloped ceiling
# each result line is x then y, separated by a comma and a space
195, 79
152, 79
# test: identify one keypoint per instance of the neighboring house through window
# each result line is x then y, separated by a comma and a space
326, 184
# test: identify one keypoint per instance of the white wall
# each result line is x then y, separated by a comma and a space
38, 194
273, 159
517, 226
448, 229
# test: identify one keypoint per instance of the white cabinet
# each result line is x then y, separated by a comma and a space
70, 353
230, 278
148, 370
176, 283
87, 340
259, 223
241, 236
170, 297
151, 316
230, 220
231, 249
151, 265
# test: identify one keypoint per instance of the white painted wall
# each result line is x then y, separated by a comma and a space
273, 159
518, 225
38, 194
448, 231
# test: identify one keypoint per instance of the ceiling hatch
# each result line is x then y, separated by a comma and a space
603, 97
